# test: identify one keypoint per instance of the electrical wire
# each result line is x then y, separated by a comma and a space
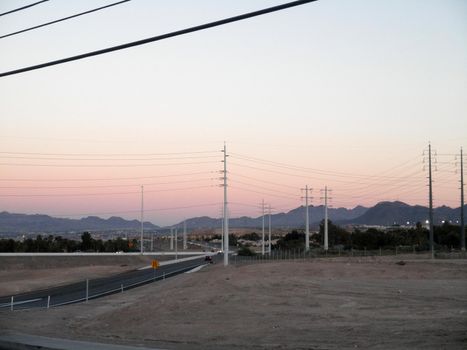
303, 169
105, 154
261, 187
260, 192
308, 177
102, 194
110, 178
102, 165
23, 8
106, 159
103, 186
161, 37
263, 181
63, 19
138, 210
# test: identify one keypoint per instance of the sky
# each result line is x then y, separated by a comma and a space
343, 94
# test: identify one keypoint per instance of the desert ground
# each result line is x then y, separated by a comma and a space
24, 274
333, 303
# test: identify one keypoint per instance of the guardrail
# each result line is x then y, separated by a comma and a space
85, 291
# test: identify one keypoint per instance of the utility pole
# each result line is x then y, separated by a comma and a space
222, 233
307, 218
142, 219
262, 237
226, 218
269, 226
325, 218
326, 198
222, 228
176, 243
430, 185
462, 204
171, 238
184, 236
152, 242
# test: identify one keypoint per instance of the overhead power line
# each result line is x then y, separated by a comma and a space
138, 210
262, 187
103, 186
264, 181
102, 193
161, 37
105, 159
108, 178
311, 170
63, 19
106, 154
23, 8
103, 165
261, 192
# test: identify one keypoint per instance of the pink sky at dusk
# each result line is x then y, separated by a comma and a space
327, 94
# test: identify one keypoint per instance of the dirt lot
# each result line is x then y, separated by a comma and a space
319, 304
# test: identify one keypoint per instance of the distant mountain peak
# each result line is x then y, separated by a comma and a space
35, 223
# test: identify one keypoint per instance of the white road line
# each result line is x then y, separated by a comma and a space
197, 268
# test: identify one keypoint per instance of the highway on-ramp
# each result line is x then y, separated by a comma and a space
94, 288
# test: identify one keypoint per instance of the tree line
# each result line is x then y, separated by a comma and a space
446, 236
58, 244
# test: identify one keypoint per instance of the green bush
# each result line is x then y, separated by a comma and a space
245, 251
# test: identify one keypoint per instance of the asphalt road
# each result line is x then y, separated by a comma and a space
76, 292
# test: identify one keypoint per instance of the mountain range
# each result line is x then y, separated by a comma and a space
24, 223
292, 219
383, 213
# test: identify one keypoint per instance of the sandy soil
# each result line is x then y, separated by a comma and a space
317, 304
23, 274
